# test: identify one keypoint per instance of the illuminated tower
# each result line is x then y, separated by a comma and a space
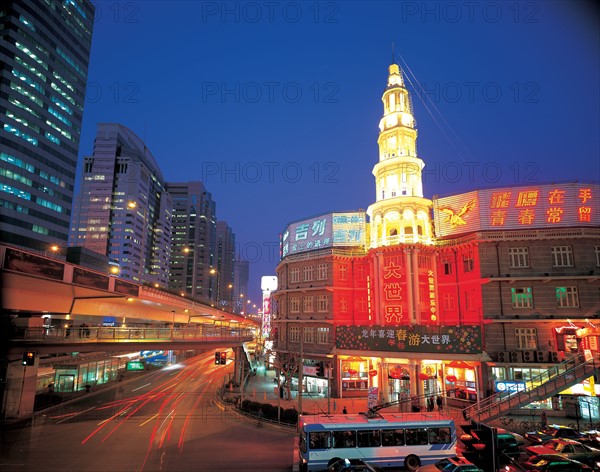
400, 214
402, 281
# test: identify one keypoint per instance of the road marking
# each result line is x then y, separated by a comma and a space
77, 414
149, 419
140, 387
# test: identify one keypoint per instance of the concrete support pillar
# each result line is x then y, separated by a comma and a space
19, 394
237, 369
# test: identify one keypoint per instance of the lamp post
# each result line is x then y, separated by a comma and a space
187, 251
132, 205
215, 272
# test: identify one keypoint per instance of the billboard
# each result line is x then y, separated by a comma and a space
323, 231
538, 206
414, 338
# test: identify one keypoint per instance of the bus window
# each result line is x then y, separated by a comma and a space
416, 437
343, 439
445, 435
393, 437
319, 440
368, 438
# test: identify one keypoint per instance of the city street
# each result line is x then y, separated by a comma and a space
164, 421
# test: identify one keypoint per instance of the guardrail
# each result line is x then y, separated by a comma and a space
555, 379
85, 334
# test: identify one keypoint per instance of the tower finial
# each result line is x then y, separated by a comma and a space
393, 54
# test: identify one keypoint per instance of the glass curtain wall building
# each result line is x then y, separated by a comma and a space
44, 55
194, 227
123, 210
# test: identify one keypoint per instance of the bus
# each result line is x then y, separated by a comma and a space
406, 440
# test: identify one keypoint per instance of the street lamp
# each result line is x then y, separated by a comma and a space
53, 249
215, 272
230, 287
133, 205
189, 252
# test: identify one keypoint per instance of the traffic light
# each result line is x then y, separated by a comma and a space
217, 357
224, 358
320, 369
28, 358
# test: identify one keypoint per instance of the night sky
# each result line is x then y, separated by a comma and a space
275, 105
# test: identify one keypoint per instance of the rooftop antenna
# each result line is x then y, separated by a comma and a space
393, 54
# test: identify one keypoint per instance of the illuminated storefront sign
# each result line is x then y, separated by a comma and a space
542, 206
268, 284
426, 339
331, 229
430, 310
394, 289
509, 386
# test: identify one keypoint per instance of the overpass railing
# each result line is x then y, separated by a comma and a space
82, 334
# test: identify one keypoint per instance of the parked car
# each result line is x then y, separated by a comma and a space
520, 439
506, 442
451, 464
554, 463
555, 431
353, 465
566, 448
593, 436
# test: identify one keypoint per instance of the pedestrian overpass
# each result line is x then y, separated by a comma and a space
36, 288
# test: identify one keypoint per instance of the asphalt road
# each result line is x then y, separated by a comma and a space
164, 421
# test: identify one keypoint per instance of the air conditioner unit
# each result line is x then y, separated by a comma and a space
513, 356
503, 357
528, 356
541, 356
553, 356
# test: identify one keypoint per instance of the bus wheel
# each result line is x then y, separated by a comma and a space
333, 461
412, 463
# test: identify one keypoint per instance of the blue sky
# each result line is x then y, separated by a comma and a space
275, 105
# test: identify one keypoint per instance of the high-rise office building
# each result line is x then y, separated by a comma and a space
240, 284
224, 271
194, 228
123, 209
43, 72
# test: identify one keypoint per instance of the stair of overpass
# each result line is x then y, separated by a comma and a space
555, 380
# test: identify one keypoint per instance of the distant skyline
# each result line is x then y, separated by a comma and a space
275, 105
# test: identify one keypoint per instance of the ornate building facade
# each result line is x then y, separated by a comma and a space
390, 308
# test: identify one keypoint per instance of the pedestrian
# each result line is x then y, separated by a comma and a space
544, 419
68, 330
260, 417
334, 406
439, 402
430, 404
344, 411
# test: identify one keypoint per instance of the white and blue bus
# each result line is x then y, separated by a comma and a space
387, 440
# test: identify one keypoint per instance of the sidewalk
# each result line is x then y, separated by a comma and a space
262, 388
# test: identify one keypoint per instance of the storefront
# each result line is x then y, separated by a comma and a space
461, 381
75, 377
355, 377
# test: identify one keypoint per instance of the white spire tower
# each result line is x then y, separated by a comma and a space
400, 214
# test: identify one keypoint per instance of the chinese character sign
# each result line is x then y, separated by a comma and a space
332, 229
425, 339
429, 308
266, 319
540, 206
394, 288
